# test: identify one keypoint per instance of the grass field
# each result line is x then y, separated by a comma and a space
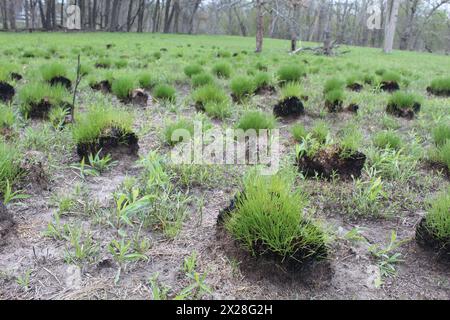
95, 222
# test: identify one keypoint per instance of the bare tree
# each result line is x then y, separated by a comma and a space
259, 26
391, 25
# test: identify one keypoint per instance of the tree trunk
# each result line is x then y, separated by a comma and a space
411, 9
27, 16
62, 13
166, 16
94, 16
12, 15
241, 23
191, 19
259, 26
4, 15
129, 15
42, 13
155, 17
114, 24
391, 25
107, 14
140, 27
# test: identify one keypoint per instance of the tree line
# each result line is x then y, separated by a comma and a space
402, 24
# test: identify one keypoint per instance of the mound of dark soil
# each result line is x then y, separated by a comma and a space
7, 92
62, 81
289, 108
389, 86
41, 109
101, 66
112, 141
329, 161
6, 223
334, 107
16, 76
109, 46
426, 239
353, 108
407, 113
439, 93
103, 86
355, 87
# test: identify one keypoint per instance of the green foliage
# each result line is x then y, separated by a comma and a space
34, 93
262, 79
441, 86
242, 87
335, 96
320, 131
147, 81
193, 70
121, 63
123, 86
443, 154
164, 92
222, 70
441, 134
89, 126
49, 71
390, 76
291, 90
9, 167
333, 84
387, 139
293, 73
299, 132
202, 79
104, 62
438, 217
7, 116
219, 110
256, 120
270, 216
404, 100
209, 94
350, 141
183, 126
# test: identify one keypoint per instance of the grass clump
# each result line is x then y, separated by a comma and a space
291, 90
147, 81
193, 70
164, 92
290, 73
437, 219
122, 87
256, 120
443, 154
262, 80
209, 94
34, 93
222, 70
387, 140
269, 218
299, 132
404, 100
333, 84
440, 86
89, 126
441, 134
7, 116
202, 79
242, 87
335, 96
390, 76
9, 168
320, 131
350, 141
174, 131
50, 71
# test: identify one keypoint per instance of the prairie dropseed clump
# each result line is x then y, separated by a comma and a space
208, 94
256, 120
334, 100
263, 82
355, 82
441, 134
50, 71
434, 229
298, 132
122, 88
9, 167
164, 92
403, 104
291, 73
268, 219
202, 79
104, 129
390, 81
193, 70
333, 84
222, 70
147, 81
242, 87
36, 99
291, 104
387, 139
440, 87
173, 133
7, 117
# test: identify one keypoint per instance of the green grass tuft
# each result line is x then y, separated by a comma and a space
242, 87
290, 73
193, 70
222, 70
387, 140
256, 120
164, 92
441, 134
438, 217
50, 71
9, 168
123, 86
